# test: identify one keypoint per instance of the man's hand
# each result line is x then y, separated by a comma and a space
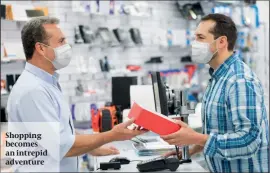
121, 132
104, 151
192, 150
173, 153
185, 136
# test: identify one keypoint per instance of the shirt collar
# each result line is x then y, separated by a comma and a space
222, 69
52, 79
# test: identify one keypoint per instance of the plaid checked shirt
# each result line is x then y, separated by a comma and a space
235, 118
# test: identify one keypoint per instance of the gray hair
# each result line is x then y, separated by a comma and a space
33, 32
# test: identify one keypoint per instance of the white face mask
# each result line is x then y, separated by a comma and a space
200, 52
62, 56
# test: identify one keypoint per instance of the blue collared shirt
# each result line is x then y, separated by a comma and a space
235, 118
37, 97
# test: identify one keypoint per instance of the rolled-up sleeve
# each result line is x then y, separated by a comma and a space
244, 106
38, 106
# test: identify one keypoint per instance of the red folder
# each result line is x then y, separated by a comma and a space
153, 121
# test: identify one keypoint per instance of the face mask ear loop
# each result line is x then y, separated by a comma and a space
217, 48
215, 51
45, 56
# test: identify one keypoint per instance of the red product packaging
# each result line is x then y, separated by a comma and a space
152, 121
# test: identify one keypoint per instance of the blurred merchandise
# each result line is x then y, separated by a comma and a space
112, 2
78, 36
123, 36
81, 6
135, 35
154, 60
190, 11
86, 33
105, 36
250, 16
104, 119
104, 64
83, 162
133, 67
34, 13
113, 39
79, 88
169, 37
45, 10
19, 12
138, 8
223, 9
186, 58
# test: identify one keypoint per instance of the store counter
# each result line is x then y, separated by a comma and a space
126, 150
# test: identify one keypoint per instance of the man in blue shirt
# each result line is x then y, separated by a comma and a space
235, 135
37, 96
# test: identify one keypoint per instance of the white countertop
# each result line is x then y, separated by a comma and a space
126, 150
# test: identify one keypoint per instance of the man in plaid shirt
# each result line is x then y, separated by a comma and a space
235, 135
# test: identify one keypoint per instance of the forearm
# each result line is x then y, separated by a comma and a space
95, 152
232, 146
85, 143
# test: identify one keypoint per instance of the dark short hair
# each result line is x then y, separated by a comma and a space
33, 32
224, 27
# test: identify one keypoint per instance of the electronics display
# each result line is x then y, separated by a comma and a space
160, 97
121, 91
158, 164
